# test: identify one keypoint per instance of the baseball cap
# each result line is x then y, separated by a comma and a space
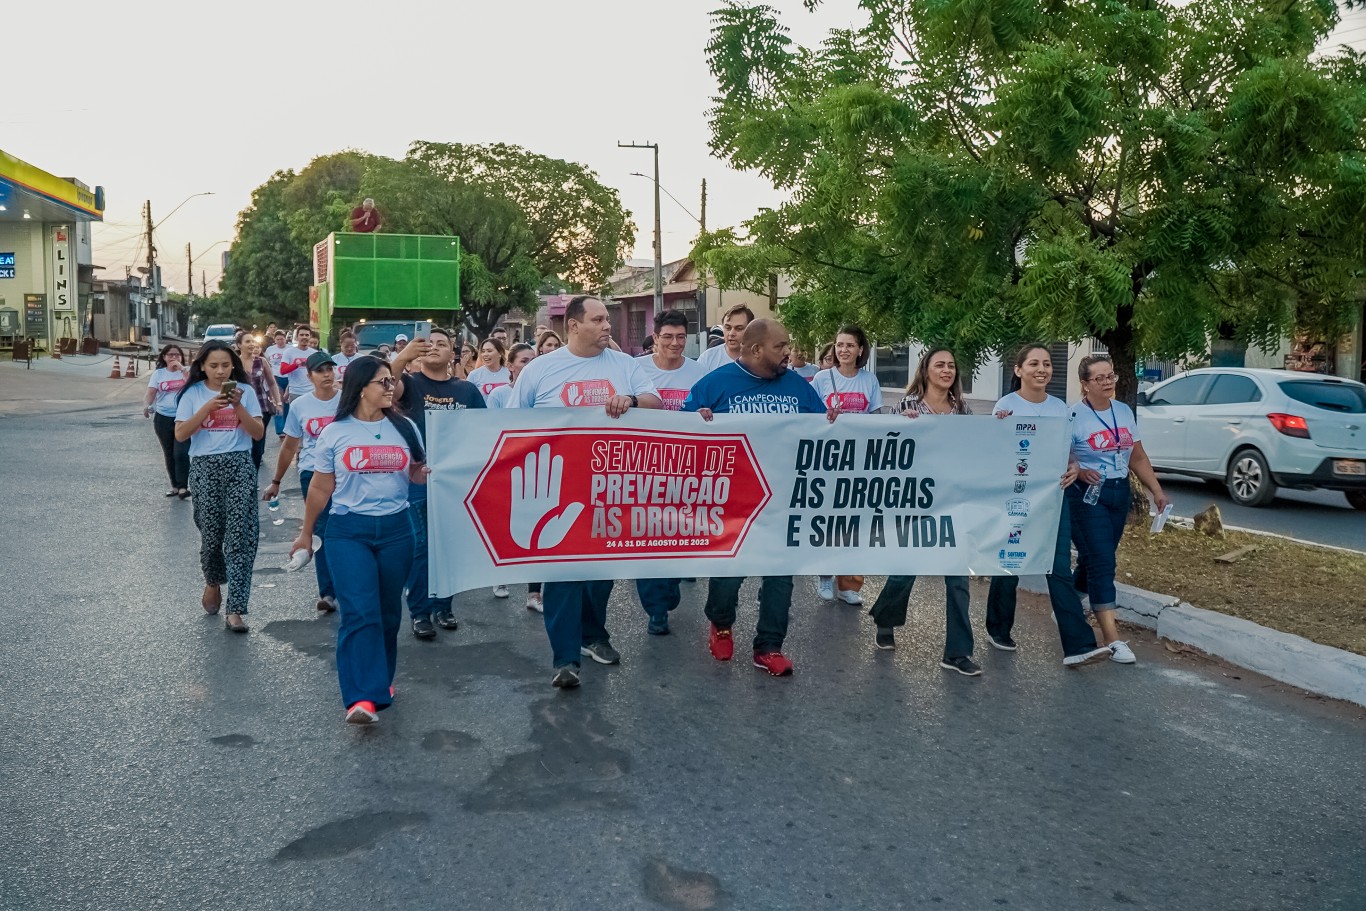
318, 360
400, 337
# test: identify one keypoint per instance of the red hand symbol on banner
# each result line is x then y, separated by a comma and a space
535, 512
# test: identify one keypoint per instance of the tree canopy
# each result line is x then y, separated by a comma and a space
978, 173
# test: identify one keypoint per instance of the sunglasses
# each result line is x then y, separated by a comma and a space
387, 382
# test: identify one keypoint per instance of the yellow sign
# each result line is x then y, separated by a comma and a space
36, 180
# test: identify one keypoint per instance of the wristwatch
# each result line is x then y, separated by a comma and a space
635, 402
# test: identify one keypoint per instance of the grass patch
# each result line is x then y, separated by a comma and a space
1308, 591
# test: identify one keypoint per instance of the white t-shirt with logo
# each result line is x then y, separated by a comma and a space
805, 371
343, 361
673, 385
1104, 441
370, 462
500, 397
563, 379
308, 418
299, 383
857, 394
712, 358
167, 383
221, 431
488, 380
1019, 406
275, 355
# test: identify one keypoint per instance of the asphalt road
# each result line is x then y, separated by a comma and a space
151, 760
1322, 516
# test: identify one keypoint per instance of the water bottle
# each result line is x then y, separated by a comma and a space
274, 505
1092, 496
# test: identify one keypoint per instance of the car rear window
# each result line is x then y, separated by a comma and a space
1340, 397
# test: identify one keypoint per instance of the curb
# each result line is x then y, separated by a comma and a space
1290, 659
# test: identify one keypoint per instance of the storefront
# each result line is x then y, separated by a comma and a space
46, 266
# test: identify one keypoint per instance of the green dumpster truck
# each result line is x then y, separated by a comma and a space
382, 284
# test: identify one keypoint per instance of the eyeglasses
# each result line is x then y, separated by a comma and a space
1103, 380
388, 382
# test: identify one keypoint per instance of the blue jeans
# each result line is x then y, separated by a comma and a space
658, 596
421, 604
1096, 531
889, 610
575, 616
1076, 634
325, 587
282, 382
370, 558
775, 602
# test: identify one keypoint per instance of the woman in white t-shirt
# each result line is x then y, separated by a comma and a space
520, 355
847, 388
491, 372
1106, 446
220, 422
163, 386
363, 462
1030, 398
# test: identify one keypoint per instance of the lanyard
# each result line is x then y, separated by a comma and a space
1114, 430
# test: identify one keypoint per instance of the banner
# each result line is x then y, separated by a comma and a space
564, 494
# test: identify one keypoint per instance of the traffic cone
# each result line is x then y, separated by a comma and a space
132, 372
114, 374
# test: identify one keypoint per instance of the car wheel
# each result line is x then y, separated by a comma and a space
1249, 480
1357, 498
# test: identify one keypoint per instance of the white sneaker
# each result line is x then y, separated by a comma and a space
827, 589
850, 597
1120, 652
500, 591
534, 603
1095, 654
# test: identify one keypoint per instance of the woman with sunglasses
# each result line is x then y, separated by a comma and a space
1106, 445
466, 363
219, 415
163, 386
363, 462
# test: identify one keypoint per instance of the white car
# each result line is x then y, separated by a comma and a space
1257, 430
223, 332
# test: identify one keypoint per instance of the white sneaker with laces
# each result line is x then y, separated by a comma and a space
1121, 653
850, 597
534, 603
500, 591
827, 588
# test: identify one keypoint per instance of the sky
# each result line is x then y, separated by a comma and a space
158, 100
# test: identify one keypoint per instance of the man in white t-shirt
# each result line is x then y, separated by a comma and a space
584, 373
275, 356
293, 364
733, 326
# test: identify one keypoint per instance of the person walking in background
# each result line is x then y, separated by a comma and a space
935, 389
307, 419
159, 404
276, 355
801, 367
343, 358
467, 363
266, 389
294, 361
420, 391
848, 389
218, 413
1107, 446
827, 358
1030, 398
733, 325
366, 461
520, 355
491, 372
547, 342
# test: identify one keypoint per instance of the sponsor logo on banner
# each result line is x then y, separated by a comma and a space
372, 459
1026, 430
222, 419
1017, 508
1011, 559
1022, 467
1013, 539
587, 392
613, 494
314, 426
1023, 447
1020, 485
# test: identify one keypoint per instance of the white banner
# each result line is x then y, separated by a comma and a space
563, 494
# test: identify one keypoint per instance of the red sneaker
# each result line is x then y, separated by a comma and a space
363, 712
773, 662
721, 644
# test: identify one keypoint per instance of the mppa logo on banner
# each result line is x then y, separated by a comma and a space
609, 494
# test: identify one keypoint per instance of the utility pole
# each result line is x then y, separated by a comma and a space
151, 266
702, 323
189, 271
659, 248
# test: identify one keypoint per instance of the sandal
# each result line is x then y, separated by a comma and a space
239, 627
212, 604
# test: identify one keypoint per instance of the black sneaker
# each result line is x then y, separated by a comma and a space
446, 620
1004, 643
886, 639
601, 652
423, 629
963, 665
566, 677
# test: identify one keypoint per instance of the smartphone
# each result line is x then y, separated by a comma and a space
422, 330
228, 387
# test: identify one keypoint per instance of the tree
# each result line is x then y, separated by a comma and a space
268, 270
981, 172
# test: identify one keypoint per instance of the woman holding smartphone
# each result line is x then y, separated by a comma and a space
163, 387
363, 462
218, 413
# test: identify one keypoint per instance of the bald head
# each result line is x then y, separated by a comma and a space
759, 331
765, 348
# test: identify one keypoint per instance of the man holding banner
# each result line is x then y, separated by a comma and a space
586, 372
757, 382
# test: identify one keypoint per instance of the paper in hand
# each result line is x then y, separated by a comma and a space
1160, 520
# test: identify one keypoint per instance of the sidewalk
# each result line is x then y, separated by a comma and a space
76, 382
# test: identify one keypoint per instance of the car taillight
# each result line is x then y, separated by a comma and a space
1292, 425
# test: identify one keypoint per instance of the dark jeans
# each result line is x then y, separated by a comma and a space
258, 449
370, 558
1097, 530
176, 453
320, 566
1077, 636
575, 616
890, 610
420, 603
658, 596
775, 601
282, 382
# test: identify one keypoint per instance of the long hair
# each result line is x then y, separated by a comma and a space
497, 346
161, 358
921, 380
359, 374
197, 365
827, 351
1020, 357
544, 336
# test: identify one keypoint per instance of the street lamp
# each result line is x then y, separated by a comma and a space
659, 250
175, 210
